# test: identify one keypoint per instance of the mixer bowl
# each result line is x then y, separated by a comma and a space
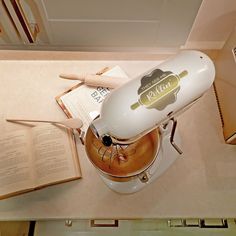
123, 162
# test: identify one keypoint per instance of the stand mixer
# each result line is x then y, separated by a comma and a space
134, 140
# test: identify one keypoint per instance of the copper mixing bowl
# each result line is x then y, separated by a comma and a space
120, 163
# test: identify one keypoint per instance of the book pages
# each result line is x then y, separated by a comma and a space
15, 162
53, 157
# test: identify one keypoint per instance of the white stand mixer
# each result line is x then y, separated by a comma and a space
147, 103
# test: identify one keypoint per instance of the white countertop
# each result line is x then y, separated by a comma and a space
201, 184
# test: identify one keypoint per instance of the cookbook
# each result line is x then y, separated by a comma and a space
37, 157
84, 102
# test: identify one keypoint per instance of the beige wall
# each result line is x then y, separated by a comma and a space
213, 24
225, 85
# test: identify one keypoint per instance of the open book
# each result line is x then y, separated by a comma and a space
84, 102
37, 157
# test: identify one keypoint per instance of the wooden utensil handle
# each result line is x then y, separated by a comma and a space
26, 120
96, 80
104, 81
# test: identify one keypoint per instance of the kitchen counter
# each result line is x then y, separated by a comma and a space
200, 184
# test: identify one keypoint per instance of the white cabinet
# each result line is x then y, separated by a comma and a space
112, 24
160, 227
22, 24
8, 33
93, 25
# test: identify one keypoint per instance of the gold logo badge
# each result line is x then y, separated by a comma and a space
158, 89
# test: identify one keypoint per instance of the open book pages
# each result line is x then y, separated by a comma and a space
85, 102
36, 157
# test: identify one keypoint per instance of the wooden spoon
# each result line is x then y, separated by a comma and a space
74, 123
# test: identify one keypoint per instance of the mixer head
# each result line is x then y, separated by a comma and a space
153, 98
